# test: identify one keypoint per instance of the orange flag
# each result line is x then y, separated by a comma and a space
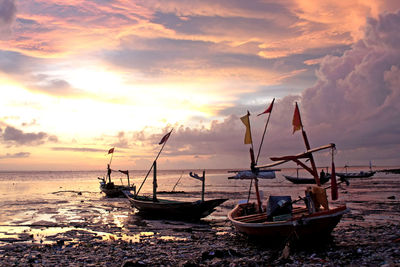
297, 125
246, 121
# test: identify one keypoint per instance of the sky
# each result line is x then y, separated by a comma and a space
80, 77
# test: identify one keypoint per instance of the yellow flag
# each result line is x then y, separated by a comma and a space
296, 122
246, 121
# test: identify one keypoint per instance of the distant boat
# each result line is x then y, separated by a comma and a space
302, 180
112, 190
361, 174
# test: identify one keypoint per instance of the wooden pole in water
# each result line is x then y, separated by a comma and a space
203, 185
155, 181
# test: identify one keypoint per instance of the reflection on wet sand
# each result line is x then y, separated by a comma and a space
79, 216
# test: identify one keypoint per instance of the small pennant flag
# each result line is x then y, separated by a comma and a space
246, 121
297, 125
269, 109
111, 150
165, 138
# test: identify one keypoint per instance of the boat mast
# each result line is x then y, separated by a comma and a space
314, 171
163, 141
155, 181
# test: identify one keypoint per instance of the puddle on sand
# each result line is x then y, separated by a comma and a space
67, 235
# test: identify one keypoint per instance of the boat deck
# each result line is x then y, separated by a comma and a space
297, 213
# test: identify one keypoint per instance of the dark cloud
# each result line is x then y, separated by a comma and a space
7, 12
122, 142
17, 63
356, 100
78, 149
160, 56
27, 69
15, 155
13, 136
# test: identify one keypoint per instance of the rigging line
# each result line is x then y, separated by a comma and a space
173, 189
248, 197
152, 165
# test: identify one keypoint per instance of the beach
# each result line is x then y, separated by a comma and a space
62, 218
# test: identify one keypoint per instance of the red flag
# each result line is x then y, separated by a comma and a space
165, 138
269, 109
334, 188
296, 122
111, 151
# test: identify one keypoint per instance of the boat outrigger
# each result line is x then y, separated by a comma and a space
172, 209
282, 218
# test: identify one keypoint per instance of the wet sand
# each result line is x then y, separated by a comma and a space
83, 228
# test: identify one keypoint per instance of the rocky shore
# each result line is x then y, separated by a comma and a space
206, 244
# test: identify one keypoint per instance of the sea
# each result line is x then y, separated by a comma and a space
36, 205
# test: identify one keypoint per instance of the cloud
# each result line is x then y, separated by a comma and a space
13, 136
15, 155
78, 149
356, 99
354, 103
7, 12
28, 70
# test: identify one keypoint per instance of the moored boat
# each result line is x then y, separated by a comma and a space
112, 190
172, 209
361, 174
108, 187
283, 218
303, 180
300, 224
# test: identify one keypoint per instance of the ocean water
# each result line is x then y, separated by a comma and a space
43, 203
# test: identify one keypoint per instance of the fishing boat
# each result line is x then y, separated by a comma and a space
361, 174
112, 190
283, 218
108, 187
172, 209
303, 180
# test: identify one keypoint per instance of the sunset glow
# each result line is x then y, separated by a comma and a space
78, 78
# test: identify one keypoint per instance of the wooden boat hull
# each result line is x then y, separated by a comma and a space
316, 225
300, 180
114, 190
174, 209
350, 175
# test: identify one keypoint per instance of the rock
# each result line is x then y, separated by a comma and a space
133, 263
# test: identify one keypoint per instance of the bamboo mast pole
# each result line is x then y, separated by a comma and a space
152, 165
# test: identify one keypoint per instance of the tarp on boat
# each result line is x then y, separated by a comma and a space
279, 205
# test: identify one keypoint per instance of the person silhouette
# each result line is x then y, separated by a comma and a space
109, 173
